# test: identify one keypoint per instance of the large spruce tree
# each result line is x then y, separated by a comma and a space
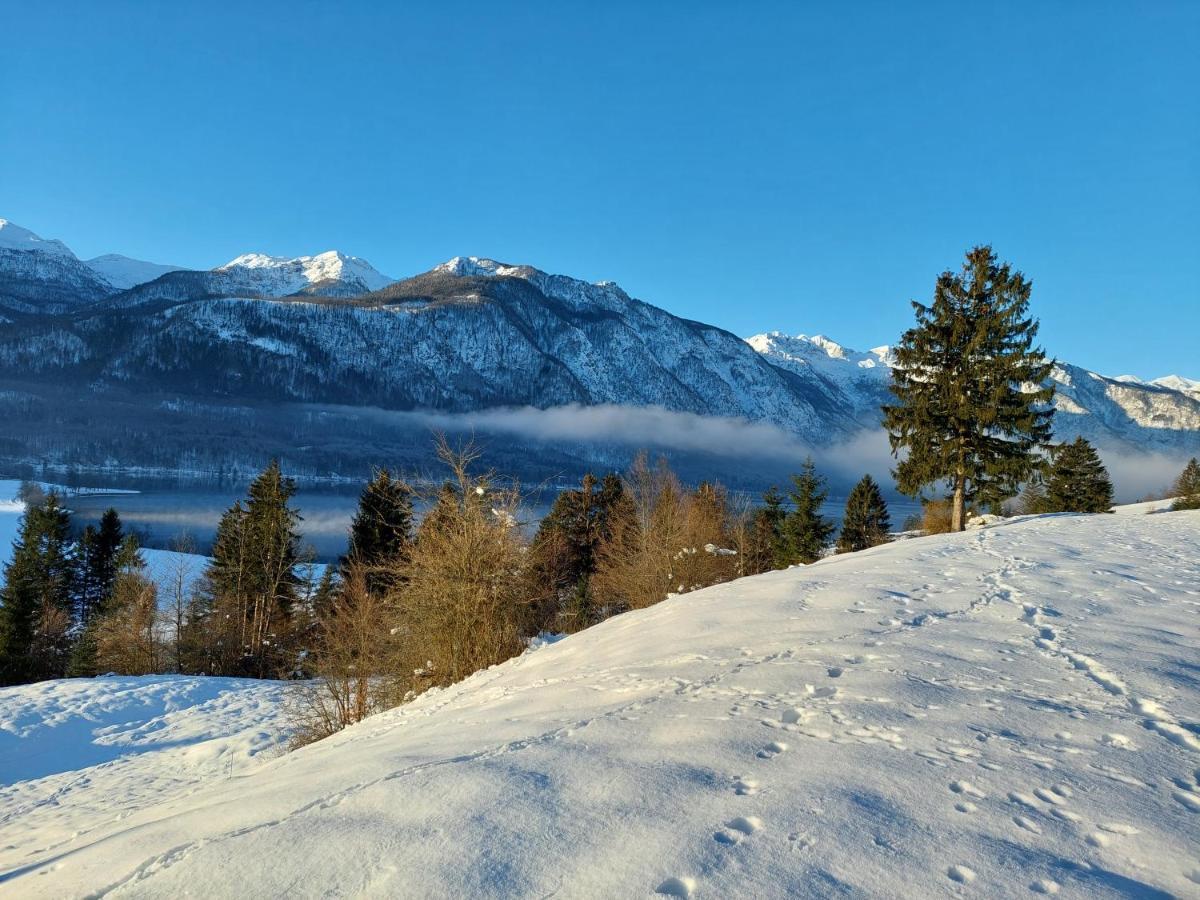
1187, 487
866, 522
806, 531
36, 598
972, 400
1078, 481
382, 529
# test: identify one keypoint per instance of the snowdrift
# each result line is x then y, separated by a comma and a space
990, 714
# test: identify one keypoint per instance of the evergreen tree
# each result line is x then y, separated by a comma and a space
382, 530
768, 548
97, 565
1032, 499
866, 522
564, 550
964, 413
36, 599
806, 531
1078, 481
1187, 487
251, 583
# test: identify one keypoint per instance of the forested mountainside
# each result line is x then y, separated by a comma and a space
89, 371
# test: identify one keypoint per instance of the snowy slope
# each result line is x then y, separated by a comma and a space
986, 714
123, 272
81, 754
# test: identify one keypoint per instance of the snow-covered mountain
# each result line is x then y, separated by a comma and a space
1163, 414
277, 276
471, 334
43, 276
1005, 713
123, 272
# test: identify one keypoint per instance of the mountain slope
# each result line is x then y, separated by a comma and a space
997, 712
1113, 412
43, 276
122, 272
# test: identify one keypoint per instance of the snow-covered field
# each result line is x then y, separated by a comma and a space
1005, 711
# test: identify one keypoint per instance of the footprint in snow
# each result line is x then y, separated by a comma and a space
965, 787
745, 786
961, 874
772, 750
1044, 886
804, 842
741, 827
677, 887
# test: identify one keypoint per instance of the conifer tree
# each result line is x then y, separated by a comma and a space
97, 564
866, 522
806, 532
769, 522
1187, 487
382, 529
964, 411
1032, 499
251, 583
1078, 481
36, 599
563, 553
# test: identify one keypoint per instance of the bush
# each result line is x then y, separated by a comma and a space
937, 516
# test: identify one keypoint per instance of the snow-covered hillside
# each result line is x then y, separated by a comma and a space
123, 272
990, 714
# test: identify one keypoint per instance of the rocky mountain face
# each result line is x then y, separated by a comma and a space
1123, 412
41, 276
471, 334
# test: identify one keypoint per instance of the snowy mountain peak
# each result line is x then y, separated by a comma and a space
14, 237
467, 266
1178, 383
281, 275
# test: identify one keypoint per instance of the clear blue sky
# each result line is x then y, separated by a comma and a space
802, 167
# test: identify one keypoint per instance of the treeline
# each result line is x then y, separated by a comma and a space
412, 604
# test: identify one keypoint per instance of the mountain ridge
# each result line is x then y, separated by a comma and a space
470, 334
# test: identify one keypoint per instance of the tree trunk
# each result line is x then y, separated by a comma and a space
958, 511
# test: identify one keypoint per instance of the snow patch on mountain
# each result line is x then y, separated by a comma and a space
125, 272
279, 276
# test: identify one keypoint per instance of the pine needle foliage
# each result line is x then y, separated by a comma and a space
1187, 487
866, 522
971, 395
1078, 481
806, 531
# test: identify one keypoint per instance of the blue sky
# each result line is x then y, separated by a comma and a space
801, 167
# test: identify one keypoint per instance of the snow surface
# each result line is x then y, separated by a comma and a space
123, 272
994, 713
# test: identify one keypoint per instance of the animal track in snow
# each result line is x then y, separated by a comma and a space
772, 750
965, 806
1044, 886
1188, 799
